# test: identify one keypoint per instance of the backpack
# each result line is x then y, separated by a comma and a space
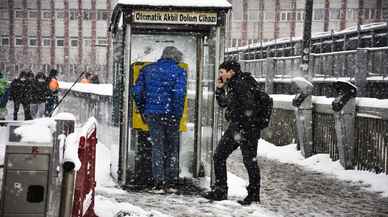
263, 105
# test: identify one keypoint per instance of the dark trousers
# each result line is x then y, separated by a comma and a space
26, 108
236, 136
51, 102
164, 134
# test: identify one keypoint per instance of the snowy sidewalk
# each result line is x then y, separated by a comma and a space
287, 190
291, 190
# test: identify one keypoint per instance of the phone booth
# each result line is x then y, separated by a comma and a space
140, 31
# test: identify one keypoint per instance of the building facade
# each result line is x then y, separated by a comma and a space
69, 35
254, 20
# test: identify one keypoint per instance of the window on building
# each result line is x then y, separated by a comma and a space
253, 15
19, 14
335, 13
60, 14
60, 42
101, 42
3, 14
74, 42
18, 41
46, 14
349, 14
102, 15
5, 42
234, 42
319, 14
373, 14
32, 42
366, 13
87, 15
87, 43
298, 16
292, 4
269, 15
284, 16
289, 16
33, 14
73, 14
46, 42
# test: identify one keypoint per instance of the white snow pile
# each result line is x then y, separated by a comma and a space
103, 161
38, 130
106, 207
64, 116
323, 163
71, 150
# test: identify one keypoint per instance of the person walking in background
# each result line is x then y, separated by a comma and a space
40, 94
85, 78
53, 86
234, 91
159, 95
94, 79
4, 95
19, 94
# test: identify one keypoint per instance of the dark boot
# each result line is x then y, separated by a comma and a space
217, 193
253, 196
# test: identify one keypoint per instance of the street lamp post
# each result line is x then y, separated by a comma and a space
306, 37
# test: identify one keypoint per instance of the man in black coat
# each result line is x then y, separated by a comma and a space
20, 93
235, 92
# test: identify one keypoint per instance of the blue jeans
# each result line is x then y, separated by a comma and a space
164, 133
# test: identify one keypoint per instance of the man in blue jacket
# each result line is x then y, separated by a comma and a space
159, 94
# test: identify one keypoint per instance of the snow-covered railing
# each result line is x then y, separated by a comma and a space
371, 129
365, 67
88, 100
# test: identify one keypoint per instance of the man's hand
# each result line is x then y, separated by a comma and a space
220, 83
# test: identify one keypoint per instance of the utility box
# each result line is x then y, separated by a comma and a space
25, 178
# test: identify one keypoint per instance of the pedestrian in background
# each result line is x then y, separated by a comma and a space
159, 94
19, 94
85, 78
234, 91
94, 79
53, 86
40, 94
4, 96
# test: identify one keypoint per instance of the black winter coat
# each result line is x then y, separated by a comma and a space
40, 91
238, 97
20, 91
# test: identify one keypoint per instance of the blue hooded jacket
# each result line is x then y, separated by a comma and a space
161, 89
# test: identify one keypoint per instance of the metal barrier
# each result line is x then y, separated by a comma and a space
83, 205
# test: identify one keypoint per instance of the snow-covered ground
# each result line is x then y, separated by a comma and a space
107, 205
111, 200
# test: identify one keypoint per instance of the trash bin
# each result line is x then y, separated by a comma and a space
25, 178
344, 106
304, 115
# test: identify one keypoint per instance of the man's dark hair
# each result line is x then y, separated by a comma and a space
53, 73
230, 65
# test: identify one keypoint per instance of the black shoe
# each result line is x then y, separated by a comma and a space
253, 196
217, 194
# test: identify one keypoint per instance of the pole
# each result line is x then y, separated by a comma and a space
307, 37
67, 92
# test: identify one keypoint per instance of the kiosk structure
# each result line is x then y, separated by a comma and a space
141, 30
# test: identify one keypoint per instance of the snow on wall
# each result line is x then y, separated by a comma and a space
99, 89
38, 130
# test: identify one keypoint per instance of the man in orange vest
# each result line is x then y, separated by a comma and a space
52, 99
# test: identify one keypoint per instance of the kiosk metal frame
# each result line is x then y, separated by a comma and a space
204, 21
